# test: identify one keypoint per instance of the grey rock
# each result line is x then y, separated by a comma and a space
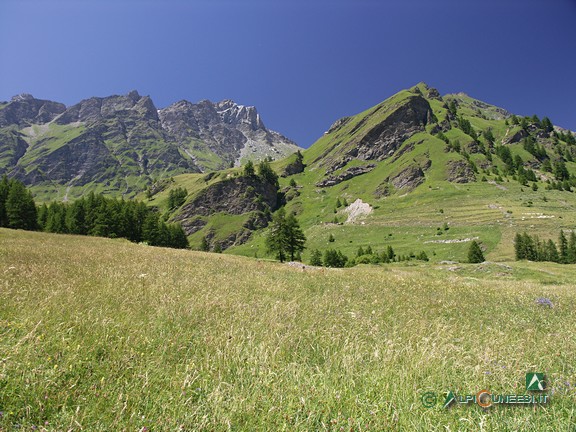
24, 110
385, 138
227, 129
460, 172
409, 178
346, 175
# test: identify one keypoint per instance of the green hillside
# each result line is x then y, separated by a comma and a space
437, 173
147, 338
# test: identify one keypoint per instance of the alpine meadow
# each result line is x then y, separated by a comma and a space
187, 268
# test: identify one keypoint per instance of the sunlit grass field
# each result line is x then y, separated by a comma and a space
105, 335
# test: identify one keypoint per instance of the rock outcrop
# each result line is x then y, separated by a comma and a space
346, 175
386, 137
252, 196
234, 195
460, 172
24, 110
409, 178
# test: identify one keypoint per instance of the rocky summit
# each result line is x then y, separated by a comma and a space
123, 144
217, 135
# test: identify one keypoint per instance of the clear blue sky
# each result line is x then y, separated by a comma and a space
303, 64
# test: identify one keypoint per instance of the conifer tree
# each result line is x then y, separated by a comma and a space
204, 245
249, 169
572, 248
4, 189
295, 238
519, 248
563, 247
316, 258
551, 252
285, 237
475, 254
20, 207
390, 253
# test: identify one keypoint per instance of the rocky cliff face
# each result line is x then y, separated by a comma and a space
24, 110
125, 141
250, 196
387, 136
232, 132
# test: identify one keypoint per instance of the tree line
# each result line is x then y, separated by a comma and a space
335, 258
17, 207
93, 215
532, 248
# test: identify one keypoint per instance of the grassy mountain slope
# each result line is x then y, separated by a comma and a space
147, 338
432, 184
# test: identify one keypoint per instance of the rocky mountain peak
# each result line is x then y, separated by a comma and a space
230, 130
134, 96
96, 108
22, 97
235, 114
25, 109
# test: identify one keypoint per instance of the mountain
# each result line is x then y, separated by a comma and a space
217, 135
123, 144
418, 172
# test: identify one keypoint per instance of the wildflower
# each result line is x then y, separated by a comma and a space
543, 301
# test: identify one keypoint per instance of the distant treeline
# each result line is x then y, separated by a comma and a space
92, 215
533, 249
335, 258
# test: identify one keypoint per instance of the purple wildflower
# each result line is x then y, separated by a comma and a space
543, 301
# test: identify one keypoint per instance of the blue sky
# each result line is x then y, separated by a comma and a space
303, 64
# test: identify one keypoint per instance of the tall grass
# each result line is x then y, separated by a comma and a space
99, 334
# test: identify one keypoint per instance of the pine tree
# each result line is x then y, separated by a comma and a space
552, 252
547, 125
563, 247
276, 240
56, 219
20, 207
295, 238
285, 238
572, 248
266, 173
475, 254
178, 237
204, 245
334, 258
249, 169
150, 233
4, 189
316, 258
519, 247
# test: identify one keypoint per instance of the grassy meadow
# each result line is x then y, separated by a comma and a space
100, 334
